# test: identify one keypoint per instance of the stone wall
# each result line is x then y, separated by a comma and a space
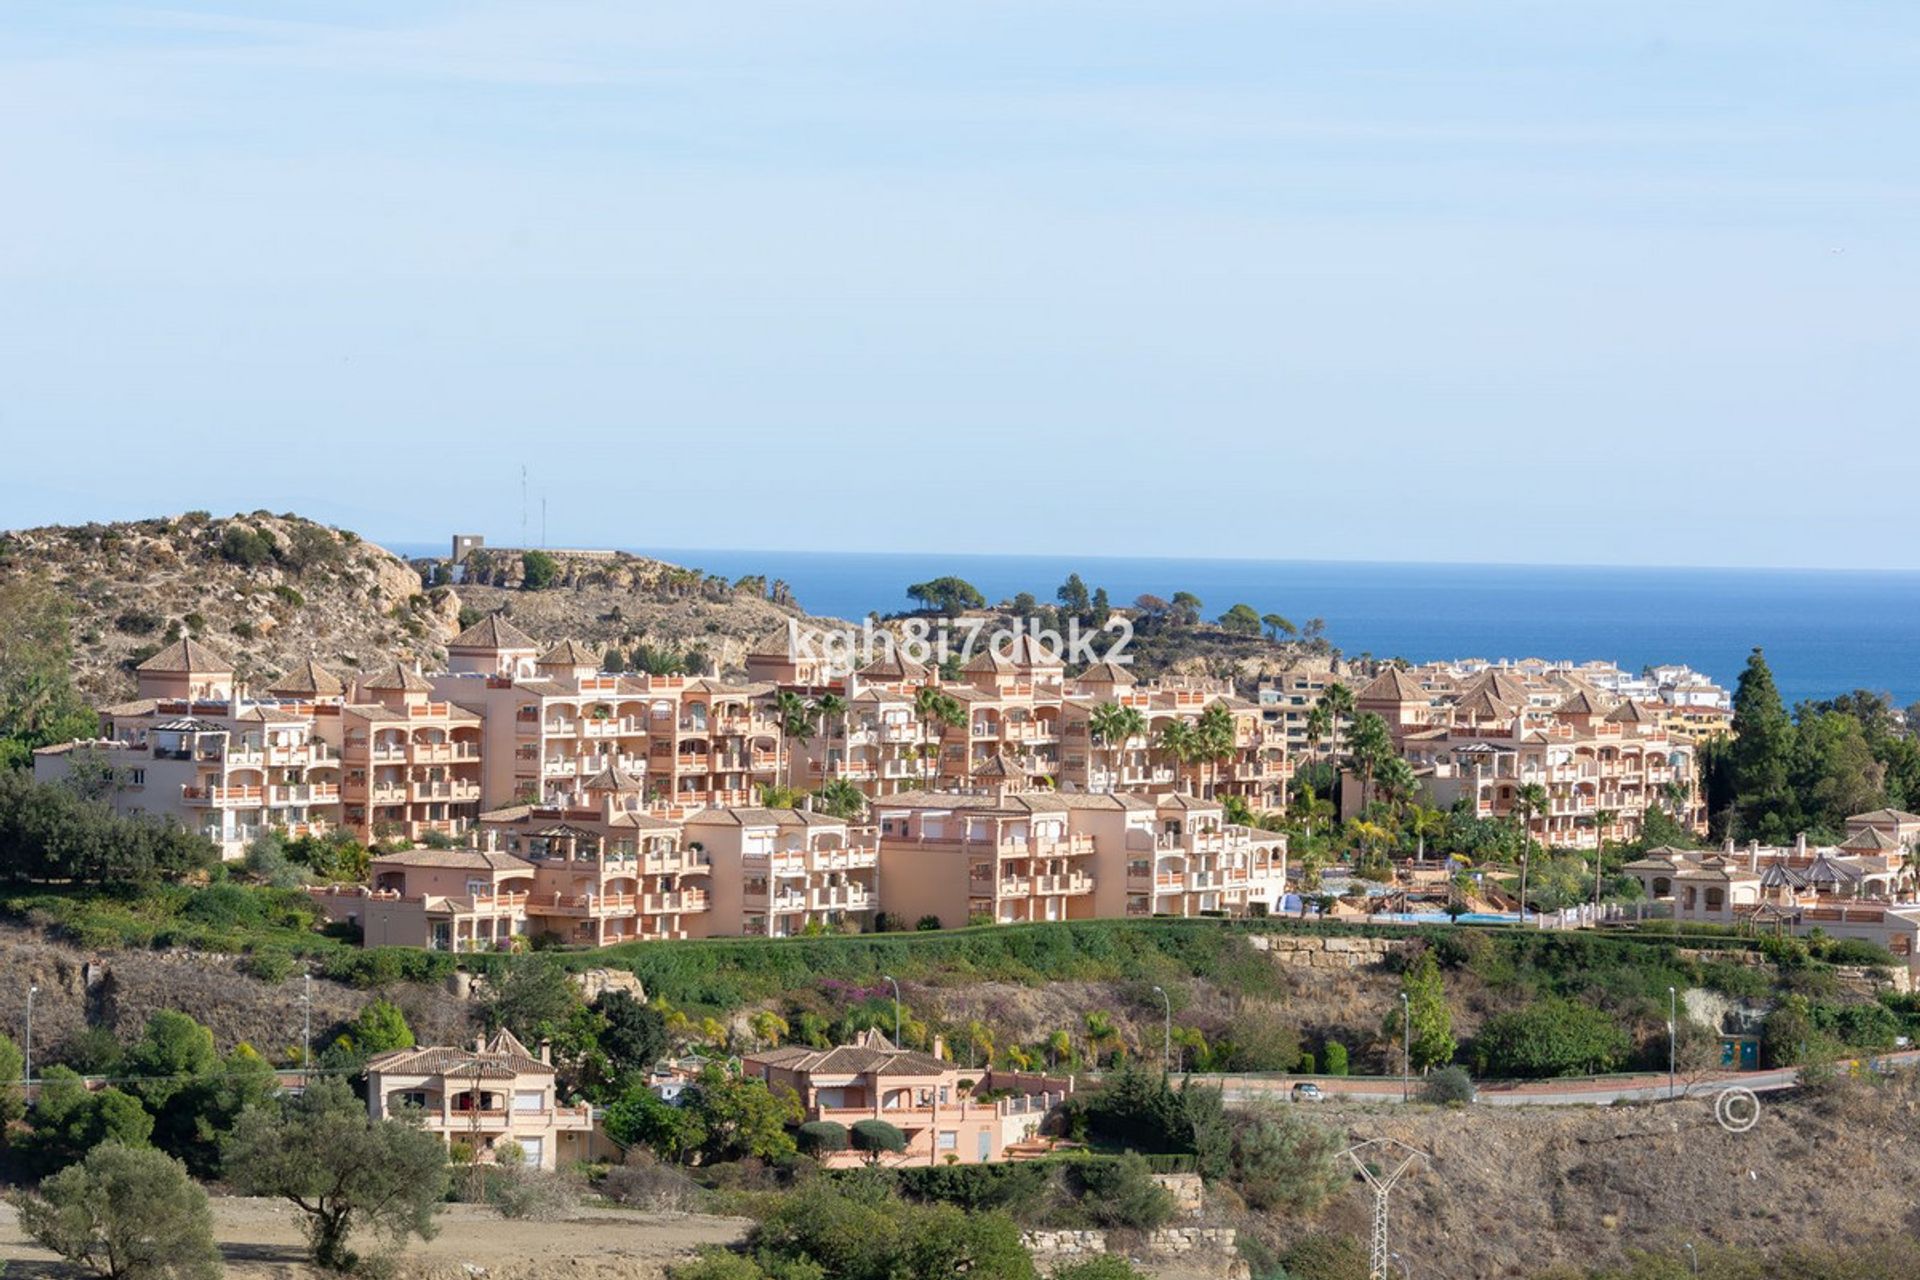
1193, 1246
1318, 951
1188, 1192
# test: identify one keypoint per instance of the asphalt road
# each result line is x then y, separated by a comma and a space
1595, 1091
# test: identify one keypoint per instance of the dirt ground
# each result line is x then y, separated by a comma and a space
262, 1240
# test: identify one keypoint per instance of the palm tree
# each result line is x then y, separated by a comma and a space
1528, 802
1424, 822
1115, 726
1101, 1033
1367, 833
1338, 703
768, 1028
1214, 740
796, 724
932, 703
831, 706
1059, 1047
1017, 1058
1180, 743
1318, 721
840, 798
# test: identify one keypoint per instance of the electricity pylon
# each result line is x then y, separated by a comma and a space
1382, 1181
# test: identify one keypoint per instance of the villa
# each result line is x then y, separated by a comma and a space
941, 1109
483, 1097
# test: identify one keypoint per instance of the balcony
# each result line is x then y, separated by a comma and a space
683, 900
223, 796
387, 793
452, 792
1071, 884
846, 897
308, 793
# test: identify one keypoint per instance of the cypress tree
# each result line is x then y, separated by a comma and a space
1760, 760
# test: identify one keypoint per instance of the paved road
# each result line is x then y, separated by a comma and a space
1596, 1091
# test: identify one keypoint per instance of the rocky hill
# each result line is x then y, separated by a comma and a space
271, 591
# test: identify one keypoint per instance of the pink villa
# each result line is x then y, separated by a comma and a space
930, 1100
493, 1093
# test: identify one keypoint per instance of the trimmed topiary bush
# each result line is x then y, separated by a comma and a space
820, 1137
877, 1137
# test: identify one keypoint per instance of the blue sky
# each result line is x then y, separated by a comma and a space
1555, 281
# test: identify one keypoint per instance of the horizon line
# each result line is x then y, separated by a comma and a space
663, 553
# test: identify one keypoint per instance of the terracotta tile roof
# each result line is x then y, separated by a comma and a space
893, 669
1106, 673
872, 1054
1002, 765
399, 676
187, 655
493, 632
309, 678
1870, 839
1899, 817
1578, 703
569, 653
139, 707
467, 859
1629, 712
502, 1057
612, 779
1392, 685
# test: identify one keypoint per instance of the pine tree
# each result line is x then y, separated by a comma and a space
1761, 758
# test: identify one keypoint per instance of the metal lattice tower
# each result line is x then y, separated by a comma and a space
1383, 1181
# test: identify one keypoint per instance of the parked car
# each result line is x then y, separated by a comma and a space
1308, 1091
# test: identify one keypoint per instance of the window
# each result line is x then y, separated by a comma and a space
949, 1140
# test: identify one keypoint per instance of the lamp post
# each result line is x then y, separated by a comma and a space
1166, 1042
27, 1055
1406, 1048
896, 1008
1693, 1258
1673, 1031
306, 1030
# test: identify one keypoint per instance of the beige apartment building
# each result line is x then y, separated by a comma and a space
553, 720
410, 762
192, 748
493, 1093
1602, 765
1011, 855
779, 872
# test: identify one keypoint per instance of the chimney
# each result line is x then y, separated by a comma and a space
1727, 848
1800, 845
940, 1047
1753, 855
546, 1052
480, 1042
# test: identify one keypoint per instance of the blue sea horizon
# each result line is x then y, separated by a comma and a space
1825, 631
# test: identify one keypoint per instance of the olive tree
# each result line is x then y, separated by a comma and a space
341, 1168
127, 1213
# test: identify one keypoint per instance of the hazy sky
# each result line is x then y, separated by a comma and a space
1617, 281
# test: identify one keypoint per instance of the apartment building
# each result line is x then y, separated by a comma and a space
777, 873
194, 748
553, 720
1011, 855
1602, 766
1288, 700
410, 762
948, 1115
493, 1093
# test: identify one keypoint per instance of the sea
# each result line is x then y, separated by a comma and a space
1825, 632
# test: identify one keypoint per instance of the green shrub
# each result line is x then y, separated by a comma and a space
1448, 1086
245, 546
1551, 1037
877, 1137
1325, 1257
1121, 1192
820, 1137
538, 570
1335, 1055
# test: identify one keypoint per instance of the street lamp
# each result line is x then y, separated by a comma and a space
1406, 1048
1673, 1030
1693, 1258
896, 1008
27, 1056
1166, 1043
